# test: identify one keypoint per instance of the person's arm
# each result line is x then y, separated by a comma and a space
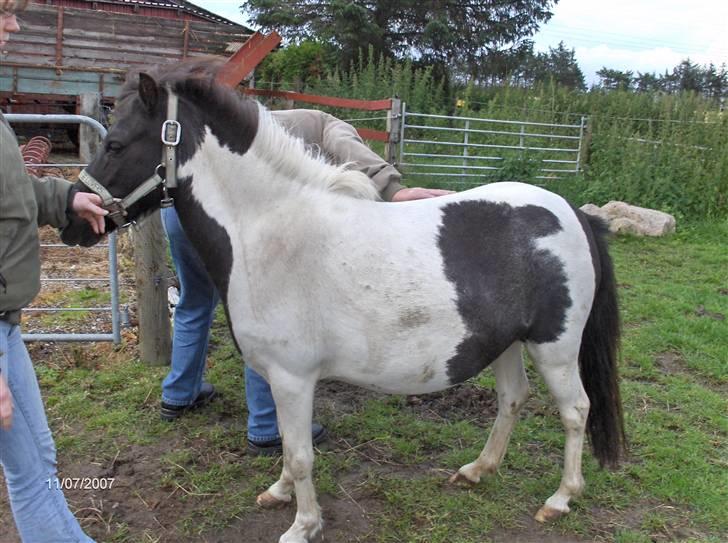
6, 404
52, 197
341, 140
57, 201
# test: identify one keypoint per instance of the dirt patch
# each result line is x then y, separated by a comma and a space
700, 311
474, 404
665, 522
670, 363
351, 519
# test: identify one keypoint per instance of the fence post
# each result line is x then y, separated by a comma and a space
88, 138
150, 269
466, 140
581, 149
394, 120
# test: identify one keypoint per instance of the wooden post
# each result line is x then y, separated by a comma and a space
394, 120
88, 138
150, 268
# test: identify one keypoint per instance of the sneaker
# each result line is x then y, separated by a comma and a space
171, 412
275, 446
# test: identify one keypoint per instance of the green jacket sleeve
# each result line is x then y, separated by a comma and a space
51, 194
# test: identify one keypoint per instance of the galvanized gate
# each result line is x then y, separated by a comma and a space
469, 151
111, 249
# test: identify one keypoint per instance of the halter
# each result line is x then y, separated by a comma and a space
117, 207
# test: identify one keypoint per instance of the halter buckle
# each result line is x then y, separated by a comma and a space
117, 212
171, 132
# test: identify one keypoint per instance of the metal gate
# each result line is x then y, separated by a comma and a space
111, 248
469, 151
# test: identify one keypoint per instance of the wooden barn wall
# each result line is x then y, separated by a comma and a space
97, 47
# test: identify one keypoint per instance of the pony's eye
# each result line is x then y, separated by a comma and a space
114, 146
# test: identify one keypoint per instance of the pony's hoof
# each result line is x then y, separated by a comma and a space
549, 514
266, 500
461, 480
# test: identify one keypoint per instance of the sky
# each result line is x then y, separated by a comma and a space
638, 35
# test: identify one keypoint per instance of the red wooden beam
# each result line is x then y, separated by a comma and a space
370, 134
244, 61
348, 103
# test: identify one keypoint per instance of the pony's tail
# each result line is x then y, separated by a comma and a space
598, 355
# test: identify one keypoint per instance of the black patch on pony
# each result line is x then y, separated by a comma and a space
211, 241
507, 288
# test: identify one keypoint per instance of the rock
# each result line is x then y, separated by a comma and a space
591, 209
628, 219
623, 225
645, 222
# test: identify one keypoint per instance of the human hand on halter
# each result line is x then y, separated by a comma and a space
87, 206
418, 193
6, 405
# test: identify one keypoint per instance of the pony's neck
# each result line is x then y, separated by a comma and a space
292, 160
234, 185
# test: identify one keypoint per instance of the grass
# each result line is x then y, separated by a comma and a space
390, 460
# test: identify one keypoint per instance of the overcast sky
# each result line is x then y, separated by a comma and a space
638, 35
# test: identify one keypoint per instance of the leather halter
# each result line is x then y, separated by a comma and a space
117, 207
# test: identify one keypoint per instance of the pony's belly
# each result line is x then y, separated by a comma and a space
409, 368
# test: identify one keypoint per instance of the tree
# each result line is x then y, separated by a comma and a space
647, 82
688, 76
455, 33
558, 65
715, 82
615, 79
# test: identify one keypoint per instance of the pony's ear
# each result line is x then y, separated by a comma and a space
148, 91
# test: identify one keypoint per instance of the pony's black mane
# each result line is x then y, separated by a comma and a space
235, 116
194, 79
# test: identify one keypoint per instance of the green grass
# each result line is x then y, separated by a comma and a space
674, 485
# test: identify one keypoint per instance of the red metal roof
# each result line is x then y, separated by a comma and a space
166, 9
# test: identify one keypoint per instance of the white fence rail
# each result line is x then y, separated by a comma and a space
467, 151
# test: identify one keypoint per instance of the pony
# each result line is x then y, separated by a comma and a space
321, 281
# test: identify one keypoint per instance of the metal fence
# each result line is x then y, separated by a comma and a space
469, 151
111, 248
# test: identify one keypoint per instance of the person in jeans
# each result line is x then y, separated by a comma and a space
27, 452
184, 387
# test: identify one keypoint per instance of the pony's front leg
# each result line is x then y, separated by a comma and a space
294, 403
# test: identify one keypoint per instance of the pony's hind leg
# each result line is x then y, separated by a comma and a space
558, 365
512, 387
294, 404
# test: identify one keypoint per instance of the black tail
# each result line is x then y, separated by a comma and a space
598, 353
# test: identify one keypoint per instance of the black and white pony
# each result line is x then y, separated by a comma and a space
319, 280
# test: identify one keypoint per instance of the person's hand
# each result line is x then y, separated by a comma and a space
418, 193
6, 405
88, 206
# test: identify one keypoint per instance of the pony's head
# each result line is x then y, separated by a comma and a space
132, 152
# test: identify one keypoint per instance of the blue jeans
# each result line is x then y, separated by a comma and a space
28, 454
192, 320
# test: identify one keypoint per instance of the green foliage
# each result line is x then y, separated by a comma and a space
667, 152
445, 33
710, 81
657, 150
297, 64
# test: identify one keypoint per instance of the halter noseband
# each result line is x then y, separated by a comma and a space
117, 207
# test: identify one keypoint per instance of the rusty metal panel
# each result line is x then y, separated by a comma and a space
158, 8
